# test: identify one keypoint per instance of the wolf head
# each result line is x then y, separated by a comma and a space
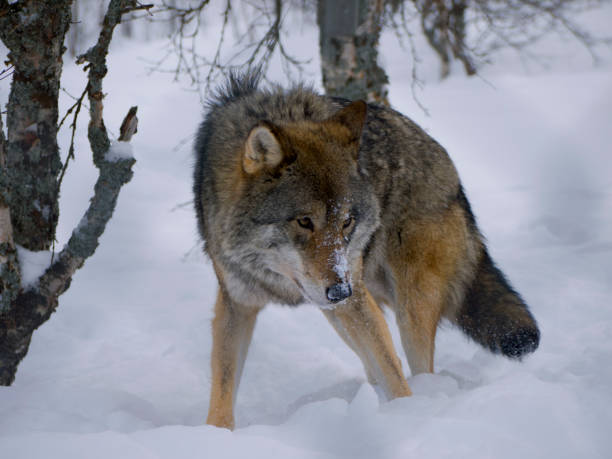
310, 211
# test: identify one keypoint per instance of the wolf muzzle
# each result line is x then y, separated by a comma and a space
339, 292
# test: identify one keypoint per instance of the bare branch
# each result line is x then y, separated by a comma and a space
472, 32
129, 127
137, 7
257, 47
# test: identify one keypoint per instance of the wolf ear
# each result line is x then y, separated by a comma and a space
262, 150
352, 117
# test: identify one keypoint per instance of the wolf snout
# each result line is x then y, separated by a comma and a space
339, 292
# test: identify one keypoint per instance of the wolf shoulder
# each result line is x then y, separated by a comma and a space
405, 162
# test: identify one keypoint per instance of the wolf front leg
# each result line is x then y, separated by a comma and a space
232, 331
361, 324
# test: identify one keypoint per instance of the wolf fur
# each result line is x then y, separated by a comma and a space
306, 198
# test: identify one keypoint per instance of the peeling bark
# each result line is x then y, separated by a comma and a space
349, 31
28, 309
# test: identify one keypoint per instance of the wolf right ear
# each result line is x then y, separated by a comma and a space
262, 149
352, 117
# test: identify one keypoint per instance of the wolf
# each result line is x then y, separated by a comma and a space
303, 198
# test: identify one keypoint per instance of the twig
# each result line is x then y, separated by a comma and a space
73, 126
7, 72
182, 205
77, 105
138, 7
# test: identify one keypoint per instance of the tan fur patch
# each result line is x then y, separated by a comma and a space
232, 330
425, 258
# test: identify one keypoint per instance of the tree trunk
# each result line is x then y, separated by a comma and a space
349, 31
32, 157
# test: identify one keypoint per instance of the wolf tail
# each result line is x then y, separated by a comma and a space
492, 313
495, 316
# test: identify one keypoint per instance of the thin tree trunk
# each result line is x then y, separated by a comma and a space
457, 21
75, 31
443, 24
349, 31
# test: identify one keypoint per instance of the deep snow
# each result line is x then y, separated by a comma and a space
122, 368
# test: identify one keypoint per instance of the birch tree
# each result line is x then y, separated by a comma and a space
34, 32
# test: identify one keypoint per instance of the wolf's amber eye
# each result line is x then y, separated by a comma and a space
347, 222
305, 222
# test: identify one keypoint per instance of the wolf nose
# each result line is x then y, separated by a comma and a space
339, 292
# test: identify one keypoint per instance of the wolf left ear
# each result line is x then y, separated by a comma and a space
353, 117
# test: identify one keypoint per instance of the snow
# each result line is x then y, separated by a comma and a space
119, 151
122, 368
340, 263
32, 265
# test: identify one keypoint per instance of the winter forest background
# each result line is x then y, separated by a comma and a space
121, 368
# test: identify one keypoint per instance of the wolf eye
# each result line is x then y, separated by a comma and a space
348, 228
305, 222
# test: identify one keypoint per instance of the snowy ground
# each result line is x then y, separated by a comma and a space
122, 368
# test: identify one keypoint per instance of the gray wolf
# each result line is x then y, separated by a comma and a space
350, 206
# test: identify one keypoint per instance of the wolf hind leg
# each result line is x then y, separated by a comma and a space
361, 324
417, 319
428, 259
232, 332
